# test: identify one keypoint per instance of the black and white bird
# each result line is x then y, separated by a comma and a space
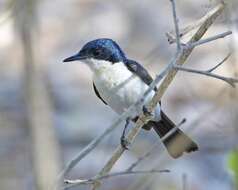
120, 82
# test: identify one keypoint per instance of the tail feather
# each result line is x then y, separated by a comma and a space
177, 142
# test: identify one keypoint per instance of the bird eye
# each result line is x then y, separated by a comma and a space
97, 52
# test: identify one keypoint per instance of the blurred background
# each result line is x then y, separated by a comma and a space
49, 112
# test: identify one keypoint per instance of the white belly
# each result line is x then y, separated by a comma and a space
119, 87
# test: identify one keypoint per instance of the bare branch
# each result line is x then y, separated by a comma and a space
172, 131
186, 30
184, 54
230, 81
219, 64
140, 159
213, 38
147, 154
115, 174
176, 24
92, 145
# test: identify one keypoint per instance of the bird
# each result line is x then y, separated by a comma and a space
119, 82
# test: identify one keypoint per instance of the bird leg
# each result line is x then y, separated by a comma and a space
146, 111
124, 143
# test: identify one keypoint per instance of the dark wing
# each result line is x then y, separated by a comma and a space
140, 71
97, 93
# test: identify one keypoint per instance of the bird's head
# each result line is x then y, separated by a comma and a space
99, 50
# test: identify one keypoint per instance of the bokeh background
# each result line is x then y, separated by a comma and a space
49, 112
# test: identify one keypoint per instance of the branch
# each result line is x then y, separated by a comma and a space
179, 59
140, 159
219, 64
147, 154
229, 80
128, 171
93, 144
184, 54
200, 42
115, 174
176, 24
186, 30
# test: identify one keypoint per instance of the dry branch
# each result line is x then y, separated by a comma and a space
147, 154
115, 174
188, 29
231, 81
213, 38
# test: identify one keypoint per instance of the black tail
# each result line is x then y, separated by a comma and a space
177, 142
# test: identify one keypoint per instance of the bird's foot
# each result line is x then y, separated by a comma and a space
154, 115
125, 143
146, 111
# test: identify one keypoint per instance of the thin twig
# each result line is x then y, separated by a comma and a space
161, 158
184, 54
210, 39
91, 146
140, 159
172, 131
219, 64
186, 30
229, 80
147, 154
115, 174
176, 24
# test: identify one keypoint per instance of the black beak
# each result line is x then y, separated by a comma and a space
76, 57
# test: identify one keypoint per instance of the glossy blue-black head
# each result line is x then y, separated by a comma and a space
99, 49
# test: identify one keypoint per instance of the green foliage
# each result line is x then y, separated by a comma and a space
233, 165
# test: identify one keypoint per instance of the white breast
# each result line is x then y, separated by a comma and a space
117, 86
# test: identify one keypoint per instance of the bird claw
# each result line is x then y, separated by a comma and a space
153, 115
146, 111
125, 143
